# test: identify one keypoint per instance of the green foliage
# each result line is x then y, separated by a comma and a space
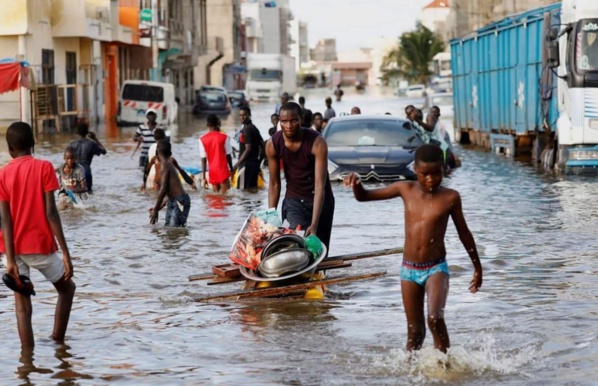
411, 58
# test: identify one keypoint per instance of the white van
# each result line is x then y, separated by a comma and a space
137, 96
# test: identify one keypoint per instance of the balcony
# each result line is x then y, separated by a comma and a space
81, 18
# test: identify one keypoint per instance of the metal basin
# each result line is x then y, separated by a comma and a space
284, 262
305, 274
283, 242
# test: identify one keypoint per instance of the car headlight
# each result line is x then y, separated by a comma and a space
332, 167
411, 166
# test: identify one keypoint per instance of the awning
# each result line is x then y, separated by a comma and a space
12, 76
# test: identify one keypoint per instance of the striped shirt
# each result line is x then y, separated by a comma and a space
148, 138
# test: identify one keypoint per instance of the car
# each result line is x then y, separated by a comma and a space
444, 101
380, 148
211, 102
238, 98
415, 91
138, 96
212, 88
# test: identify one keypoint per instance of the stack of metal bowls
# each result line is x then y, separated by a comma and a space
283, 256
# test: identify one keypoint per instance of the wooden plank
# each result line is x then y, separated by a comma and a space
290, 288
226, 270
348, 257
321, 267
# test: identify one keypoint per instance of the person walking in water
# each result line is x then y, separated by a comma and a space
215, 150
338, 93
329, 113
308, 201
145, 136
425, 271
86, 147
250, 148
30, 228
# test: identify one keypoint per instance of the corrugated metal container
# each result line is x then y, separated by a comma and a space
496, 75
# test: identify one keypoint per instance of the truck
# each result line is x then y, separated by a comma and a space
270, 75
528, 85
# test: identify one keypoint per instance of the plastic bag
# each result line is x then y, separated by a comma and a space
259, 228
314, 245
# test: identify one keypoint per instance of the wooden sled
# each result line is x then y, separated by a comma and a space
313, 289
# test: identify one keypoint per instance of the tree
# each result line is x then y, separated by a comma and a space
412, 56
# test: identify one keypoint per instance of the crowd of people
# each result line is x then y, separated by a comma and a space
31, 227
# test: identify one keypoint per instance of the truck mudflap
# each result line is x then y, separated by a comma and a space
582, 160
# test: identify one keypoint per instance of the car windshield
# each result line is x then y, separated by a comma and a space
236, 95
587, 45
143, 93
442, 100
212, 97
371, 132
265, 75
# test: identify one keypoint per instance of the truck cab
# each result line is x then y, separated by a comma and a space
269, 75
577, 125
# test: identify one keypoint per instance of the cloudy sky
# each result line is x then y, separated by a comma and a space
356, 23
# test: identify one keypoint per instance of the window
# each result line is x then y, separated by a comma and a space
372, 133
71, 67
48, 66
586, 50
143, 93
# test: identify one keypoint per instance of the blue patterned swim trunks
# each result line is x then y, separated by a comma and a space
419, 273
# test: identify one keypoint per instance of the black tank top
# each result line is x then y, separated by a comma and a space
299, 166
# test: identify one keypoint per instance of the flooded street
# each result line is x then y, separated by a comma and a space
135, 320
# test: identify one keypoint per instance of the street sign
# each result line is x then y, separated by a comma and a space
146, 15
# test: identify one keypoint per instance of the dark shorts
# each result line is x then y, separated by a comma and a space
177, 211
299, 212
248, 175
143, 161
88, 176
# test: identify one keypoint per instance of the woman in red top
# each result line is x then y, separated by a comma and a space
216, 149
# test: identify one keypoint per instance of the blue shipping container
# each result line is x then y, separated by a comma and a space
496, 76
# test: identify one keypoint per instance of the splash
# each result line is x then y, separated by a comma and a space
460, 364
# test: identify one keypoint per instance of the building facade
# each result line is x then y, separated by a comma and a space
324, 51
468, 15
78, 52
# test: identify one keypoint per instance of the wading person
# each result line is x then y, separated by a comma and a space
145, 136
274, 121
178, 201
215, 150
86, 147
355, 111
30, 228
425, 271
329, 113
317, 122
308, 200
72, 178
250, 149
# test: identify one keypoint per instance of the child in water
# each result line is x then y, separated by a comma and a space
178, 201
425, 271
72, 178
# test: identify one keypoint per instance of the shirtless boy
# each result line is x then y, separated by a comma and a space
425, 271
178, 201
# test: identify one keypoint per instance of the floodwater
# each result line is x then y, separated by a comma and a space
135, 320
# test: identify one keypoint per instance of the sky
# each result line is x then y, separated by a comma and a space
356, 23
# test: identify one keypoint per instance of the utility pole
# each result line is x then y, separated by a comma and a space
155, 12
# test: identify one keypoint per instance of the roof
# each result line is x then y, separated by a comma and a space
438, 4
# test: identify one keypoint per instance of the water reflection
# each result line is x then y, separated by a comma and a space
64, 370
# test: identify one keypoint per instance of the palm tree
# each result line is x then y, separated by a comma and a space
412, 56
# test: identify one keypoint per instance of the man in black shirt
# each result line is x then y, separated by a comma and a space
86, 148
251, 146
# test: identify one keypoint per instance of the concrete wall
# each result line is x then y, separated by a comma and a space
221, 21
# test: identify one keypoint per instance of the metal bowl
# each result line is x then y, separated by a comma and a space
304, 274
283, 242
284, 262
